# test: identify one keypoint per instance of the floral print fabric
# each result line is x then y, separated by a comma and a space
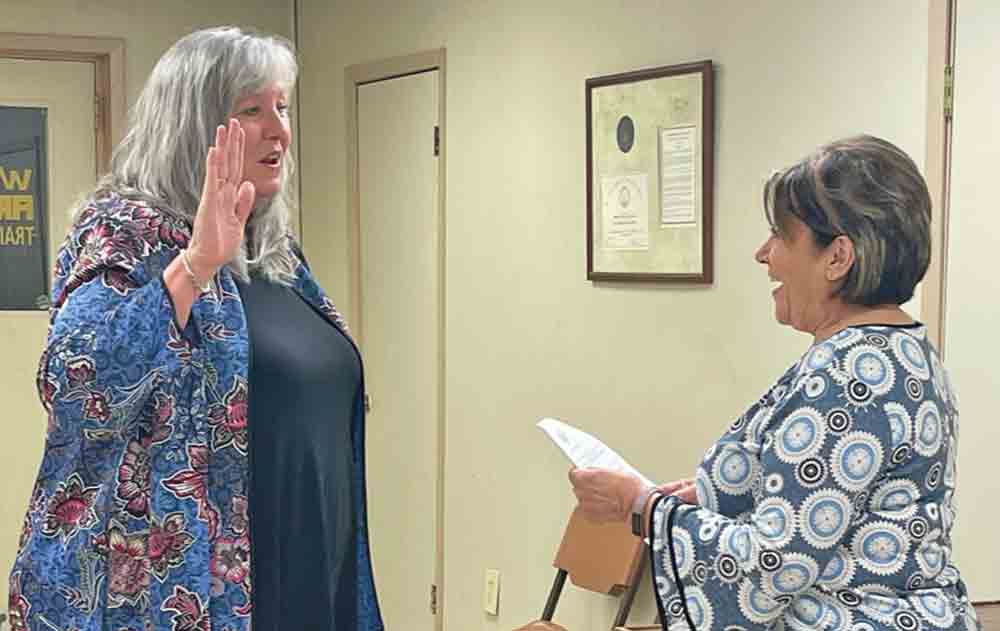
139, 516
828, 504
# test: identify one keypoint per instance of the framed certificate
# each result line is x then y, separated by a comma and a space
650, 149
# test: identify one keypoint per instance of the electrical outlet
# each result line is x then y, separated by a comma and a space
491, 592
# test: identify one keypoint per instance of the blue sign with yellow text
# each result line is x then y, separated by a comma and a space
23, 188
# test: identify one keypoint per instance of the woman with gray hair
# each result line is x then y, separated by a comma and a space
204, 460
828, 504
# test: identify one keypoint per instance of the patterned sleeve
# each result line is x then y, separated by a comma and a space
113, 334
811, 468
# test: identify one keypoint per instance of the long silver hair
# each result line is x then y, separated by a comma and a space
193, 89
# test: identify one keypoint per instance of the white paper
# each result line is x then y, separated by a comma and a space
625, 205
677, 171
583, 450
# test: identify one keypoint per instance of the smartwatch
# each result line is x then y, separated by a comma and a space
638, 507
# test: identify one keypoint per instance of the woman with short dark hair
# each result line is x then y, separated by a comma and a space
828, 504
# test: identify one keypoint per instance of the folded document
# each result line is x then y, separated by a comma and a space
583, 450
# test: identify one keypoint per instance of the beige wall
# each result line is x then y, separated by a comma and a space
148, 27
656, 371
973, 305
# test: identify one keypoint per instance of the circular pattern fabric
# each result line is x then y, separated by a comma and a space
872, 367
737, 426
734, 470
914, 388
838, 420
906, 621
856, 460
699, 573
825, 517
683, 554
918, 528
800, 436
860, 504
664, 586
839, 617
727, 568
756, 606
930, 558
806, 613
775, 521
937, 377
933, 476
675, 607
900, 454
898, 497
816, 386
737, 542
879, 603
778, 392
820, 356
881, 547
705, 491
900, 425
877, 340
947, 514
708, 530
797, 573
773, 483
950, 468
710, 451
839, 570
810, 473
859, 393
849, 598
948, 576
769, 560
911, 356
755, 429
845, 338
929, 430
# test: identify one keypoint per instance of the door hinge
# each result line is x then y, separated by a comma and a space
368, 402
98, 108
434, 599
949, 92
437, 140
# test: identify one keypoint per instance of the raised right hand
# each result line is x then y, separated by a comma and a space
226, 202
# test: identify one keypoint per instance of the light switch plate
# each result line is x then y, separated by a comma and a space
491, 592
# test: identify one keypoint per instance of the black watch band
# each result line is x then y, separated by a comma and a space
639, 508
637, 524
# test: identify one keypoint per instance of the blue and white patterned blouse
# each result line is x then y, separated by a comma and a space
828, 504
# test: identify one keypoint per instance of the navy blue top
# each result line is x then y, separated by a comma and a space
303, 534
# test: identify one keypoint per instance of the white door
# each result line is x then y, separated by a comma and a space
972, 292
400, 311
66, 91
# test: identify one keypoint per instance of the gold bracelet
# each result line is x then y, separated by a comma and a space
201, 288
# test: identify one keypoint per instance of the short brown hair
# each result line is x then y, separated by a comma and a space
869, 190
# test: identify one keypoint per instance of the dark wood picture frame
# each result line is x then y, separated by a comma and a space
701, 228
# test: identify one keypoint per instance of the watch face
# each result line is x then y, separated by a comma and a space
626, 134
637, 524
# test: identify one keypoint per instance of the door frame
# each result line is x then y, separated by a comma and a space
937, 165
356, 76
108, 56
